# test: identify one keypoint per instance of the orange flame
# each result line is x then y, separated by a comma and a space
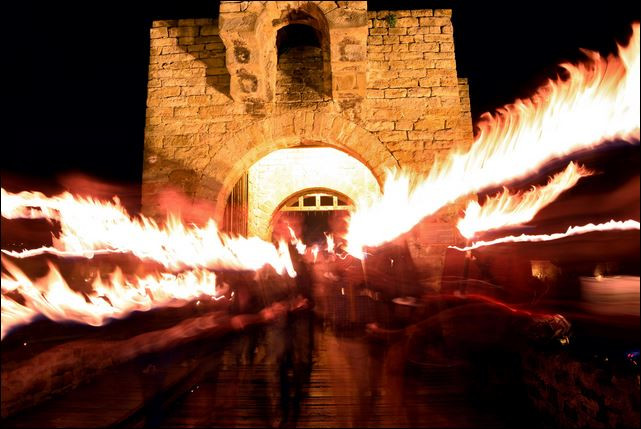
90, 227
573, 230
301, 248
507, 209
599, 102
315, 250
330, 243
116, 297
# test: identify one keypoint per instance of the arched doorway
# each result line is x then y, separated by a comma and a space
327, 178
312, 215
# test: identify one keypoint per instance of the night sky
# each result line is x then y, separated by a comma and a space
79, 73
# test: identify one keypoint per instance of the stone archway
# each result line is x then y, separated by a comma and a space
252, 143
285, 172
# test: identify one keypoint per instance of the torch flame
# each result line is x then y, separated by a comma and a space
599, 102
330, 242
115, 297
507, 209
301, 248
90, 227
573, 230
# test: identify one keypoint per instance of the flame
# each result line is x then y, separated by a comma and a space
330, 242
301, 248
573, 230
599, 102
115, 297
507, 209
90, 227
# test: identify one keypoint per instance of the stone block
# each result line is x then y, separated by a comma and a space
185, 111
439, 55
407, 22
424, 47
443, 12
162, 112
215, 47
429, 37
378, 31
163, 42
164, 92
184, 31
435, 21
164, 23
397, 31
420, 135
430, 123
209, 30
402, 13
395, 93
445, 91
158, 32
403, 83
401, 47
422, 12
391, 40
415, 73
379, 48
198, 100
170, 50
392, 136
196, 48
444, 135
404, 125
380, 126
445, 64
419, 92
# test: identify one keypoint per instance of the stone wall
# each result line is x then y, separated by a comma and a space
214, 108
413, 88
300, 76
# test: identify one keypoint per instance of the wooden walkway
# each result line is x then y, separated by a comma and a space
351, 385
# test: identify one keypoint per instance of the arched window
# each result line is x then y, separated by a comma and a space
311, 215
316, 201
303, 68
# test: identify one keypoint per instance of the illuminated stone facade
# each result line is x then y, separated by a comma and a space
223, 93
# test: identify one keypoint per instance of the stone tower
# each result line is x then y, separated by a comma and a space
223, 94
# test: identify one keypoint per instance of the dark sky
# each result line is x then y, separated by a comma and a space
79, 73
